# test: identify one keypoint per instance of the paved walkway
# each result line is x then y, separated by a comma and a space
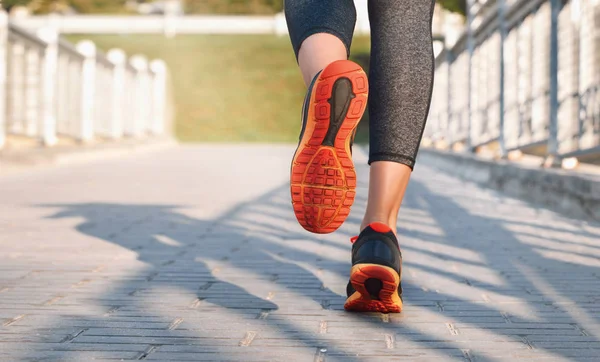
193, 253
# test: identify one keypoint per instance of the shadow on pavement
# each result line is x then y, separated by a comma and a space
473, 276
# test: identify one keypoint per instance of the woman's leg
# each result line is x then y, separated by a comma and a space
401, 82
322, 177
321, 32
317, 52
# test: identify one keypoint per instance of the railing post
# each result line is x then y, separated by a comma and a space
118, 58
503, 36
3, 74
447, 129
130, 96
140, 64
32, 81
553, 159
16, 88
159, 96
470, 50
170, 18
48, 85
88, 87
589, 74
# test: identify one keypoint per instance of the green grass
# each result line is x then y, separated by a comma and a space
228, 88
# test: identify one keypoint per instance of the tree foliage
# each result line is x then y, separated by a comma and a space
97, 6
233, 6
457, 6
81, 6
191, 6
7, 4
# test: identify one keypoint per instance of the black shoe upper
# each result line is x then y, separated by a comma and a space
306, 104
377, 244
377, 247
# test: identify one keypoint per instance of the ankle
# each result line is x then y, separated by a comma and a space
389, 221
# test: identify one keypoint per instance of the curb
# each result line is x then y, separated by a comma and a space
41, 157
568, 192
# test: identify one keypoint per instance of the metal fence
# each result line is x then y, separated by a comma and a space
524, 76
52, 90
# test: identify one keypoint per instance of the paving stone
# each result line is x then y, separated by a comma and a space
194, 254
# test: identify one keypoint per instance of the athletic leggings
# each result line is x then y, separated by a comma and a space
401, 65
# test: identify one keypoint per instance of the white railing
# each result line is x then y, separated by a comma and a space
171, 24
51, 89
155, 24
483, 98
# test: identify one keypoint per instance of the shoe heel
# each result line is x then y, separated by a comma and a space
376, 289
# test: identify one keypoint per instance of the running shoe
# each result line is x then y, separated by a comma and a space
323, 179
376, 274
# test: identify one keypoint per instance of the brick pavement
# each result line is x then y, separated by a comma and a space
193, 253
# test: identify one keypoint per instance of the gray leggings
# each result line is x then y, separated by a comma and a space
401, 66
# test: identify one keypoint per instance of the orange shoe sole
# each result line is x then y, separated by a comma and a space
387, 300
323, 179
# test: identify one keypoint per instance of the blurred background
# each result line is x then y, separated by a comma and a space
234, 75
513, 77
